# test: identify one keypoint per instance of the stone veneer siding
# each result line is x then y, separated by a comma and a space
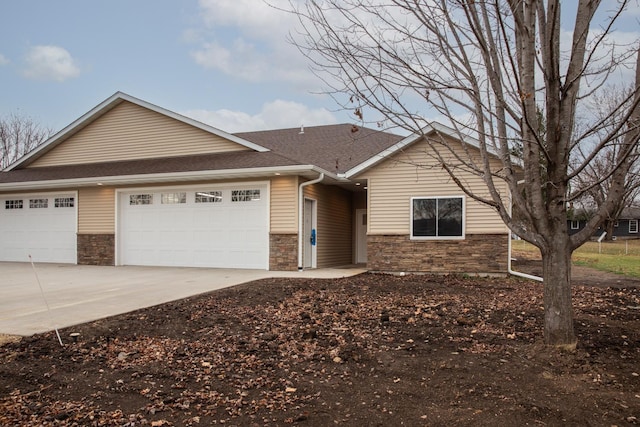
96, 249
283, 252
480, 253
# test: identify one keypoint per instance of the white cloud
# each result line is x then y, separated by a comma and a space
242, 60
257, 50
3, 60
50, 63
278, 114
257, 19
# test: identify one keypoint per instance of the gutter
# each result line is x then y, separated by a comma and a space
300, 216
117, 180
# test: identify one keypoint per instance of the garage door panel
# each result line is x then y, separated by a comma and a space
221, 234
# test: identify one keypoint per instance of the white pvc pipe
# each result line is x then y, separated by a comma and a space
301, 217
517, 273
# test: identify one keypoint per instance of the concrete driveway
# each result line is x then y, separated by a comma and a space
78, 293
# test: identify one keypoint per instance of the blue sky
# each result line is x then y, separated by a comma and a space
224, 62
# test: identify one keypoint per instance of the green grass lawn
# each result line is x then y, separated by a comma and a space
621, 257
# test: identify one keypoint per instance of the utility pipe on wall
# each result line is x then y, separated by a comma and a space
301, 217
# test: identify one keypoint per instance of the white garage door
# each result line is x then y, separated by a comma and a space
207, 226
43, 226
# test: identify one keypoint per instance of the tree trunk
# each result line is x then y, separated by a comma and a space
558, 311
608, 227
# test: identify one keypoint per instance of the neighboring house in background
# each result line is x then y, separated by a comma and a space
130, 183
627, 226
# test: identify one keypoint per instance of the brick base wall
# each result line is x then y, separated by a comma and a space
283, 252
96, 249
480, 253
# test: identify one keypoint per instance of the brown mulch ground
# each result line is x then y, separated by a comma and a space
372, 350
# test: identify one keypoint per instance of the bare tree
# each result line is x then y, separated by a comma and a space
505, 72
19, 135
591, 187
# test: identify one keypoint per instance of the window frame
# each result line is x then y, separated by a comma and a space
13, 204
635, 230
246, 195
64, 202
39, 203
140, 199
575, 224
462, 236
173, 198
205, 197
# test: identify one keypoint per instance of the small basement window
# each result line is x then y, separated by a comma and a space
437, 218
13, 204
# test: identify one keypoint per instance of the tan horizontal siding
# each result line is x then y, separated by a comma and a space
284, 205
96, 210
334, 224
395, 181
129, 131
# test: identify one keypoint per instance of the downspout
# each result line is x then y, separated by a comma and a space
509, 270
517, 273
301, 217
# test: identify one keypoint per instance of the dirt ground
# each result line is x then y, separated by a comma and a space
372, 350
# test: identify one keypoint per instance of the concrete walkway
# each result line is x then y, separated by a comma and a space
79, 293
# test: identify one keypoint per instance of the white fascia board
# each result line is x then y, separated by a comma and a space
165, 177
372, 161
118, 96
433, 127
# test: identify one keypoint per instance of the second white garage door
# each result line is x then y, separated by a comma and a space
208, 226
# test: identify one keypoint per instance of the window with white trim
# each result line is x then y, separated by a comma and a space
208, 196
13, 204
633, 226
140, 199
437, 217
173, 198
245, 195
38, 203
575, 224
64, 202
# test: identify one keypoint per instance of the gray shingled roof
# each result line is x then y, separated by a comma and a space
335, 148
220, 161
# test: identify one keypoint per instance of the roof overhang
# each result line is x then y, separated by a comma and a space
430, 129
109, 104
307, 171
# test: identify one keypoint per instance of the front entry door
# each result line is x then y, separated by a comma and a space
361, 236
310, 236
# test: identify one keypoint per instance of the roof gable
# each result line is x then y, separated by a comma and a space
431, 129
124, 128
